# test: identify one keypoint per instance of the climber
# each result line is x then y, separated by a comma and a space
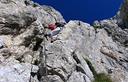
55, 29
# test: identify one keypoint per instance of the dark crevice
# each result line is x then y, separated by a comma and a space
69, 75
75, 57
111, 61
5, 53
126, 43
63, 69
80, 69
36, 62
15, 27
108, 31
84, 78
26, 3
126, 60
33, 74
8, 28
120, 52
38, 42
41, 72
122, 64
53, 72
50, 72
110, 71
28, 41
39, 76
65, 59
91, 67
20, 59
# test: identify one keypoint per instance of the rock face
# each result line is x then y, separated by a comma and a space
22, 24
123, 14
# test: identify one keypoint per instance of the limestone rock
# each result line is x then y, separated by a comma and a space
22, 25
123, 15
79, 40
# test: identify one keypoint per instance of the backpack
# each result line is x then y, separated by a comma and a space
51, 26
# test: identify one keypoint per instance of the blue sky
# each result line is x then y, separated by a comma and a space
84, 10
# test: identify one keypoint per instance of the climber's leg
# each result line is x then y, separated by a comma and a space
56, 31
53, 34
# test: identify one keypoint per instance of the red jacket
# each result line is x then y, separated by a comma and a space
51, 26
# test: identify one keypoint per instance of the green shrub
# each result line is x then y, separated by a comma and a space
102, 77
96, 27
35, 5
91, 67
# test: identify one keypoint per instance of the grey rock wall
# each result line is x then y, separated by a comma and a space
22, 24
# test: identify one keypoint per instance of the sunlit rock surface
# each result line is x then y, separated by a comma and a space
22, 22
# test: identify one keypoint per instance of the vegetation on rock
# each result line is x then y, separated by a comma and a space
98, 77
